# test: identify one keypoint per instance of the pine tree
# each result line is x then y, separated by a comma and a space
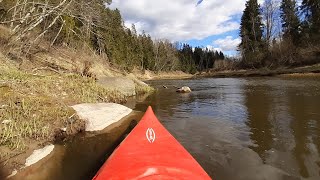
290, 21
252, 44
311, 10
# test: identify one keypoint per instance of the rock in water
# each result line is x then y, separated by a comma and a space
184, 89
39, 154
99, 116
121, 84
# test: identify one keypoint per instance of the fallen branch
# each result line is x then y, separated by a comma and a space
46, 68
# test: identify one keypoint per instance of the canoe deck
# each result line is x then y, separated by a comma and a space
150, 152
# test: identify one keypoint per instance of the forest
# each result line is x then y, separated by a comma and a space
92, 24
276, 33
280, 33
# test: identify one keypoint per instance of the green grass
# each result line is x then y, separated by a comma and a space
30, 118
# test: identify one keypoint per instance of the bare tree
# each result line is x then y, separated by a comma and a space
270, 13
165, 55
30, 20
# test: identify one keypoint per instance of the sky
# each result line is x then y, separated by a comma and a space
205, 23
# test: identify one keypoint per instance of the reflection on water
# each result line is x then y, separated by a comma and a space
254, 128
258, 119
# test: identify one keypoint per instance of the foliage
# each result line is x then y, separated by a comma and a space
91, 24
199, 59
291, 24
311, 12
252, 45
297, 42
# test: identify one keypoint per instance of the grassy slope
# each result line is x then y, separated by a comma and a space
37, 107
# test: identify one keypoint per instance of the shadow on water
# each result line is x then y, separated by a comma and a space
102, 159
81, 157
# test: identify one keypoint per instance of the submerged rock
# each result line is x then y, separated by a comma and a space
101, 115
39, 154
184, 89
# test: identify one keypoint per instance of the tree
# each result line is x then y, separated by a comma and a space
252, 45
311, 11
90, 24
269, 12
290, 21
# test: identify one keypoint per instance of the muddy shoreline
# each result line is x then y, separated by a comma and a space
94, 146
299, 71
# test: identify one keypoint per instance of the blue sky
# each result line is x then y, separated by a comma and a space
206, 23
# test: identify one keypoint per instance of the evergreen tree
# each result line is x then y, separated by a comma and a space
290, 21
94, 25
221, 55
252, 44
311, 10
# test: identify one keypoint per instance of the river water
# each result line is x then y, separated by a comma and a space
251, 128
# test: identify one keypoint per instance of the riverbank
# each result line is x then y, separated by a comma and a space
149, 75
36, 100
298, 71
81, 156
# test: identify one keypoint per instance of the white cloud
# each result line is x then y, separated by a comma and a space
227, 44
181, 19
210, 47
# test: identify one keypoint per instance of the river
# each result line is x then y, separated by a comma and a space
236, 128
251, 128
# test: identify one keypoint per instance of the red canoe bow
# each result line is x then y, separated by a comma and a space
150, 152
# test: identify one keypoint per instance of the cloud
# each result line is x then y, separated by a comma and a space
227, 44
181, 20
210, 47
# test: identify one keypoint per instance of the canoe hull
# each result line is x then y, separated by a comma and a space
150, 152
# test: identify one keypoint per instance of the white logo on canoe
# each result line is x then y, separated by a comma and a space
151, 135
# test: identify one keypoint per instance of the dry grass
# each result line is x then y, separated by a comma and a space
4, 35
37, 106
31, 118
142, 89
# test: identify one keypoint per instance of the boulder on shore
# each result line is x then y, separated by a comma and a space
124, 85
101, 115
184, 89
